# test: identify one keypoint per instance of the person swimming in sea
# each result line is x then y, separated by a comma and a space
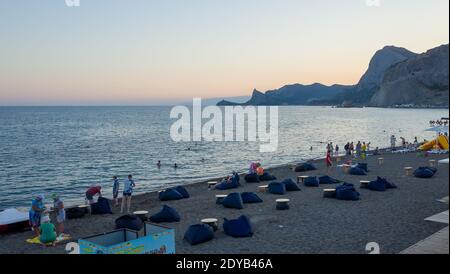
175, 165
158, 164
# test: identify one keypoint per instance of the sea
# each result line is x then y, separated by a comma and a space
64, 150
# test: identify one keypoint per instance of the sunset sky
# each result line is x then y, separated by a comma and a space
145, 52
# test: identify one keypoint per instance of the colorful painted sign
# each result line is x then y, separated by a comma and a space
156, 240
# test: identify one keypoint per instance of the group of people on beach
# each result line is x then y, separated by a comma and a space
39, 214
439, 123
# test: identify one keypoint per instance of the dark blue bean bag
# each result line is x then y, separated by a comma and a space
291, 185
182, 191
166, 215
250, 198
233, 200
101, 207
238, 228
277, 188
132, 222
425, 172
267, 177
377, 185
252, 178
197, 234
363, 166
170, 195
327, 180
305, 167
347, 192
224, 185
357, 171
311, 182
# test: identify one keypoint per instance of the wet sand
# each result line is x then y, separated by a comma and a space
394, 219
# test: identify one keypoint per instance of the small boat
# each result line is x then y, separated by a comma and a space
13, 220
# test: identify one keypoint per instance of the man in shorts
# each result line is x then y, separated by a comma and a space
90, 194
128, 186
58, 206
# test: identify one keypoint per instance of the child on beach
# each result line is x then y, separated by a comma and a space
127, 192
35, 213
47, 231
58, 206
116, 185
328, 160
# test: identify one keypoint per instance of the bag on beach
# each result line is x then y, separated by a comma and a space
132, 222
233, 200
277, 188
311, 182
305, 167
378, 185
75, 213
267, 177
357, 171
327, 180
238, 228
252, 178
250, 198
347, 192
363, 166
166, 215
197, 234
425, 172
182, 191
224, 185
101, 207
170, 195
290, 185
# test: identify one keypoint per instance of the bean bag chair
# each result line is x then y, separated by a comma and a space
347, 192
132, 222
252, 178
182, 191
233, 200
238, 228
311, 182
101, 207
197, 234
377, 185
267, 177
305, 167
224, 185
166, 215
357, 171
75, 213
327, 180
277, 188
290, 185
425, 172
250, 198
363, 166
170, 195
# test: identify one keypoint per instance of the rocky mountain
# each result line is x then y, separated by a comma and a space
395, 76
421, 81
296, 94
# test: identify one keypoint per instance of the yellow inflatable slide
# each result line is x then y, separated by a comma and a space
441, 142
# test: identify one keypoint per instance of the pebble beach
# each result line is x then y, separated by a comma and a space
313, 225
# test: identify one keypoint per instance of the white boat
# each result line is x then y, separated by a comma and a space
12, 220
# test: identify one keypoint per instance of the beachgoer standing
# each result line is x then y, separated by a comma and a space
47, 231
347, 148
363, 151
328, 160
393, 141
358, 149
35, 213
351, 148
116, 186
58, 206
336, 151
127, 192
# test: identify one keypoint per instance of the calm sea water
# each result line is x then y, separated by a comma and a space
65, 149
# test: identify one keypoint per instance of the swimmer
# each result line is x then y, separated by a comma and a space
159, 164
175, 165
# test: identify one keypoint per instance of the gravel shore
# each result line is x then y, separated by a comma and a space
394, 219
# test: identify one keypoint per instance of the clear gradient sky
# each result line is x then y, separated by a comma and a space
139, 52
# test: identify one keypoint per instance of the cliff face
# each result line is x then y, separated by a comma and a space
420, 81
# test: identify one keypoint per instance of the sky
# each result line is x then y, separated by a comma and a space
150, 52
